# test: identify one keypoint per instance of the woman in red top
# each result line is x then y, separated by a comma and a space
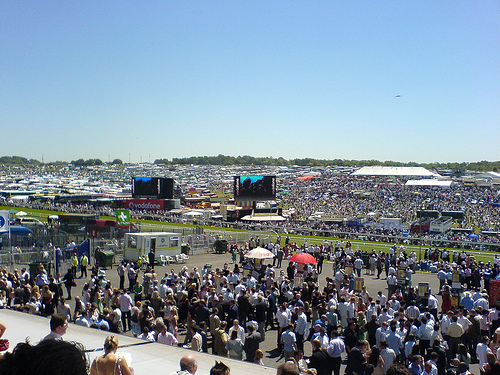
446, 295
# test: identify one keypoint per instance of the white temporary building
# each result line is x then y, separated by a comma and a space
263, 218
445, 184
394, 171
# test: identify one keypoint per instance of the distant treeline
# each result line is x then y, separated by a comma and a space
19, 160
251, 160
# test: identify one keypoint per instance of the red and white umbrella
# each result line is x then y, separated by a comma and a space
304, 258
259, 253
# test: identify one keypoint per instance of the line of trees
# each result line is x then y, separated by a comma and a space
249, 160
18, 160
92, 162
252, 160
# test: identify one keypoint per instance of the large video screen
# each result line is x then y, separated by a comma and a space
148, 187
254, 187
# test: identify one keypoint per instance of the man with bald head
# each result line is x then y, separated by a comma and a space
188, 365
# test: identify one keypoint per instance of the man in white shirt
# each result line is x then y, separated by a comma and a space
58, 327
342, 307
339, 277
126, 305
429, 369
166, 337
394, 303
371, 309
381, 332
432, 304
424, 334
352, 308
388, 355
412, 312
335, 349
391, 284
301, 328
236, 327
384, 317
382, 298
232, 279
463, 320
283, 318
164, 289
358, 266
332, 302
238, 288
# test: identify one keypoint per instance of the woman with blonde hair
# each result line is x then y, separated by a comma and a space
109, 363
172, 321
361, 320
156, 303
47, 296
35, 293
64, 308
134, 320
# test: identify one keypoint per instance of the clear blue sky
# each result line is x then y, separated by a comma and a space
319, 79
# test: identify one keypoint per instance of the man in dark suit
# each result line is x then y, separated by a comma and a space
319, 359
244, 307
351, 336
232, 314
261, 316
356, 359
252, 342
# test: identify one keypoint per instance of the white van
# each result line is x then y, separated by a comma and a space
29, 222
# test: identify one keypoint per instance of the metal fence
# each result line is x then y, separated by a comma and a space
201, 240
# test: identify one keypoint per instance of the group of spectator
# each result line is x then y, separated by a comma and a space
227, 312
348, 197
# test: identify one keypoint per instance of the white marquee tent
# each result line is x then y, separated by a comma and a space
394, 171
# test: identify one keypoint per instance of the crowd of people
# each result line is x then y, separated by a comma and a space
228, 311
348, 197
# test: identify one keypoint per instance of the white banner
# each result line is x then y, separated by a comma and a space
4, 221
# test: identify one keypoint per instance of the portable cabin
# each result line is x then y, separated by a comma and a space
162, 243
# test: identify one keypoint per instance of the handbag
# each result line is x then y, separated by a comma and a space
73, 283
4, 344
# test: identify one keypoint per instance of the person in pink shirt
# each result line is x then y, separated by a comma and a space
166, 337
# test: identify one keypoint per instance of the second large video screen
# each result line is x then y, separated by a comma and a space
255, 187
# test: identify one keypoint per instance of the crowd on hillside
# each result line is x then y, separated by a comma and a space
227, 312
349, 197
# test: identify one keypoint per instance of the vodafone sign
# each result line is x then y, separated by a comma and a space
145, 204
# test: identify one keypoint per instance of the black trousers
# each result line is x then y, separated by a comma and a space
126, 317
424, 344
300, 342
335, 363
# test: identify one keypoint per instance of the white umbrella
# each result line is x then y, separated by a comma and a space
259, 252
21, 213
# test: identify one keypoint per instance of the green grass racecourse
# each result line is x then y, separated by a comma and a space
298, 239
